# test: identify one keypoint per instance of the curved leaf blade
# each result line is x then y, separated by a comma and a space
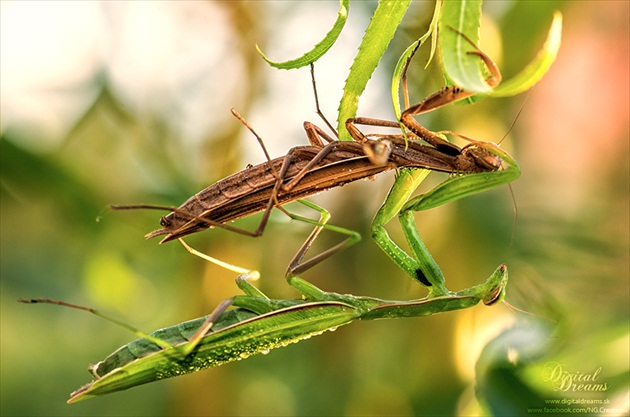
241, 340
320, 48
461, 68
408, 54
531, 74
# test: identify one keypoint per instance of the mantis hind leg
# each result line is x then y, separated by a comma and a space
297, 265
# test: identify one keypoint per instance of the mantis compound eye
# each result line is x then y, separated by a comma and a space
165, 221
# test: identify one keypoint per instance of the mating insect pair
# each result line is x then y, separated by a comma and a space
307, 170
258, 323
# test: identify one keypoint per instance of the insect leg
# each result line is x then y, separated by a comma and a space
422, 267
452, 189
251, 274
441, 98
297, 266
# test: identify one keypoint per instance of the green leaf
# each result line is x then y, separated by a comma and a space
531, 74
378, 34
466, 70
257, 325
239, 341
408, 54
461, 68
321, 48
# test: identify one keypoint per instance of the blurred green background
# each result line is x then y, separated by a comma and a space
128, 102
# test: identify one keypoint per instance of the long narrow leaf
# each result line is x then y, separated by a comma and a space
406, 56
254, 335
531, 74
378, 34
239, 333
321, 48
460, 67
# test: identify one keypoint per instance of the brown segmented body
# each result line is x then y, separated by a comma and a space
249, 191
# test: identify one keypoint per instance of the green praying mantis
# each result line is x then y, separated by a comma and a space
256, 324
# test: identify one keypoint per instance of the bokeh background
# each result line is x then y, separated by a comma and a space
128, 102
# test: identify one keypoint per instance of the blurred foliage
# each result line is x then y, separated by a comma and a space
568, 256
